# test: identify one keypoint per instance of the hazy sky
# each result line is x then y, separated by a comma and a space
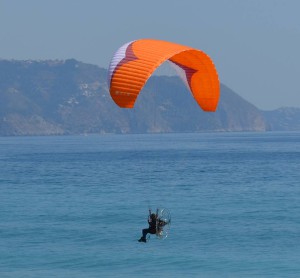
254, 44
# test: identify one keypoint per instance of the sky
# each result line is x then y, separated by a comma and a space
254, 44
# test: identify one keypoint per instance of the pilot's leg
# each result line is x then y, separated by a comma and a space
143, 238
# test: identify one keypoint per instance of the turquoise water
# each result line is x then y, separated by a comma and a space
75, 206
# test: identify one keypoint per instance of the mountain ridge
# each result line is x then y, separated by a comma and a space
57, 97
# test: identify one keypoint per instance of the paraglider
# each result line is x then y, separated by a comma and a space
134, 62
130, 68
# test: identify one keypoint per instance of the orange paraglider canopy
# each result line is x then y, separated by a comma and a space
134, 62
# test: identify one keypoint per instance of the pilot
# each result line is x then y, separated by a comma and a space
152, 227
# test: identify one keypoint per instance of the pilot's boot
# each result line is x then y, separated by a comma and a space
142, 239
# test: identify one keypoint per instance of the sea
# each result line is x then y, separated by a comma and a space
75, 206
